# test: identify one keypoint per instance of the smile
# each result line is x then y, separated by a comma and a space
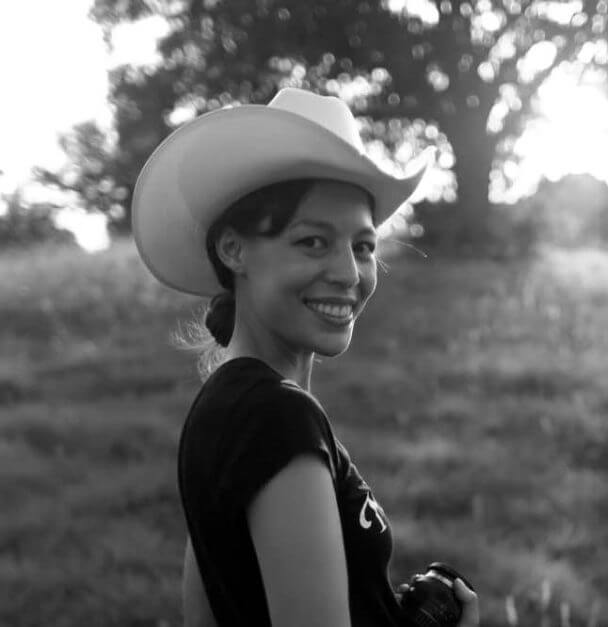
339, 315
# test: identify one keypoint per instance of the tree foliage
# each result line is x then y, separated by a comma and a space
558, 216
24, 224
444, 61
97, 172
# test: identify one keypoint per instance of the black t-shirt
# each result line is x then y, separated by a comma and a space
246, 423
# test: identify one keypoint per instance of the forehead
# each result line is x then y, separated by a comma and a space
341, 205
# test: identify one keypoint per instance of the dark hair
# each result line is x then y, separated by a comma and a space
278, 202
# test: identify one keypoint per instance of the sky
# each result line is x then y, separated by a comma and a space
53, 68
54, 63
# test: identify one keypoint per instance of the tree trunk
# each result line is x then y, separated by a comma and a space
465, 225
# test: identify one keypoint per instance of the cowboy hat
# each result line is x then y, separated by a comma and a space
210, 162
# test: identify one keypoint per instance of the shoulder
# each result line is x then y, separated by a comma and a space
293, 417
230, 385
285, 393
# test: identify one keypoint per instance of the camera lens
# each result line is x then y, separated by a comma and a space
430, 600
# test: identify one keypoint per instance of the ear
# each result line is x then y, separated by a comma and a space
230, 249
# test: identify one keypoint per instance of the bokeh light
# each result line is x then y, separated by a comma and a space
569, 135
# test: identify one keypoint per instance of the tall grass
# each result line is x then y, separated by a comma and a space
473, 399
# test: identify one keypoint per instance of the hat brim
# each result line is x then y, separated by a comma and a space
212, 161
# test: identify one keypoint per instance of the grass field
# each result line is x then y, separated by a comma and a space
473, 399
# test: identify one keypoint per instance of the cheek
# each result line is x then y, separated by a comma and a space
281, 285
369, 279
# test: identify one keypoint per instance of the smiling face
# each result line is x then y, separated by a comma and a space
325, 254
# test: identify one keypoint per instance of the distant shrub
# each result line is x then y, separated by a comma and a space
506, 232
24, 225
570, 213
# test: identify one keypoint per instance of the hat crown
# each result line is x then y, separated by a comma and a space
328, 111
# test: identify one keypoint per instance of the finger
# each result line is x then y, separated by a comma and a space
463, 592
470, 604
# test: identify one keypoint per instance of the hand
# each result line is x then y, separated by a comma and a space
401, 590
470, 604
466, 596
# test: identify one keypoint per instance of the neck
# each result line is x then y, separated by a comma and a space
252, 339
298, 367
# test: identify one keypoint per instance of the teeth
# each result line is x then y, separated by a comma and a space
339, 311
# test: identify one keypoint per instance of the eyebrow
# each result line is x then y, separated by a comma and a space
328, 226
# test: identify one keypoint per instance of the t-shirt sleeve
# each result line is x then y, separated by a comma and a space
274, 423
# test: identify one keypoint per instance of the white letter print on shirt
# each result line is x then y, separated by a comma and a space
366, 524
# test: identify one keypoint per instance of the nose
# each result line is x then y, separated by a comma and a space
343, 268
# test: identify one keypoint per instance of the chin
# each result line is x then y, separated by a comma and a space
331, 353
328, 345
332, 349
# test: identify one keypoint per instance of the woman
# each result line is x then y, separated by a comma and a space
278, 206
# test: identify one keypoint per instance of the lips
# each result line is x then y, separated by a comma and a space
333, 300
340, 321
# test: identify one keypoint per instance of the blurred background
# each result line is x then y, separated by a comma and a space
474, 396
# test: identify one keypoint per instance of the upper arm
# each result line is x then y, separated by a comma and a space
196, 608
295, 527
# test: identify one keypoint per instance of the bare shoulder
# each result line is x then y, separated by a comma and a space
295, 527
195, 604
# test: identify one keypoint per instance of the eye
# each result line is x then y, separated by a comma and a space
370, 246
311, 238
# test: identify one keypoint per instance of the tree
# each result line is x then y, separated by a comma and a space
24, 224
451, 63
95, 170
559, 217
